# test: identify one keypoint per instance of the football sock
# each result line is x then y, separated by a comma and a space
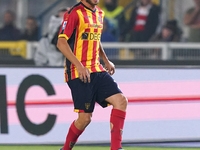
117, 123
72, 137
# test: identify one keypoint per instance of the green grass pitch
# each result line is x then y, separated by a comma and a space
86, 148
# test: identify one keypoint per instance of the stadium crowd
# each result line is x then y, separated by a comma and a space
143, 24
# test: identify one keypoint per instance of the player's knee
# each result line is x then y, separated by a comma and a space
123, 102
119, 101
86, 119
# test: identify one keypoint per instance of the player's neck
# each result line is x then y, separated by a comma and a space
93, 7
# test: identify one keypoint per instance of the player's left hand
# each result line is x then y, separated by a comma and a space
110, 67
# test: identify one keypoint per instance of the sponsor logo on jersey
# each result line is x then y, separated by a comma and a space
91, 36
95, 26
85, 36
87, 17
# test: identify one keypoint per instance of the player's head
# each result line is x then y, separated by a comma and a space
92, 2
9, 17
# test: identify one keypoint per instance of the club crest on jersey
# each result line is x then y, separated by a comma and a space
64, 25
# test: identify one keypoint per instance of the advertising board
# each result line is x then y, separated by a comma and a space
36, 106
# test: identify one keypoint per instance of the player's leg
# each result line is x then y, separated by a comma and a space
76, 129
84, 104
109, 92
117, 118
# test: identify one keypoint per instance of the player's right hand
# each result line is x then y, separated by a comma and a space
84, 74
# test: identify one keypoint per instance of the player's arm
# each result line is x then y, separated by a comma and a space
109, 66
63, 46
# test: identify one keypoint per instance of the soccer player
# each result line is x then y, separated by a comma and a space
79, 41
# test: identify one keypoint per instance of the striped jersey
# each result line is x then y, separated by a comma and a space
82, 27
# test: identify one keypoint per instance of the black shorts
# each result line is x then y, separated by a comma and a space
85, 95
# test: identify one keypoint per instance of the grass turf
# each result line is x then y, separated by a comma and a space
87, 148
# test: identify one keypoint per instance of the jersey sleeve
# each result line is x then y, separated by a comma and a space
70, 22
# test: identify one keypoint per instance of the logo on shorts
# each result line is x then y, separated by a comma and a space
87, 105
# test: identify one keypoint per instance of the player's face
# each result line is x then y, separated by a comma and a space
92, 2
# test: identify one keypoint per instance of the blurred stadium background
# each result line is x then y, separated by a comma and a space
43, 9
161, 81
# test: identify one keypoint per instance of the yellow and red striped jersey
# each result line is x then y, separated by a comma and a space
82, 27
